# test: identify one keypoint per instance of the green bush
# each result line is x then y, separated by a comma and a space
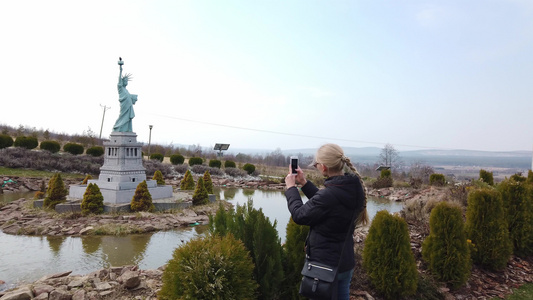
157, 156
158, 176
56, 192
437, 179
27, 142
73, 148
486, 227
177, 159
249, 168
93, 201
387, 256
486, 177
6, 141
260, 237
215, 163
529, 176
195, 161
187, 183
51, 146
200, 193
142, 199
229, 164
95, 151
293, 259
211, 267
517, 197
385, 173
208, 182
445, 249
382, 182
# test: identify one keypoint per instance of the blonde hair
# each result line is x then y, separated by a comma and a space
332, 156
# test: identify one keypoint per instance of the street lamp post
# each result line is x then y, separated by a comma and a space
150, 139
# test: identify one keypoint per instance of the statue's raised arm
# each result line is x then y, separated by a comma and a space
127, 100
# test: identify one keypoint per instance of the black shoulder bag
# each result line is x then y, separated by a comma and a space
319, 281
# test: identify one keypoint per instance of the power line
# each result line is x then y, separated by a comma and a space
294, 134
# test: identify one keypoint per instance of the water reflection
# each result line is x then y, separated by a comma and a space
229, 194
55, 242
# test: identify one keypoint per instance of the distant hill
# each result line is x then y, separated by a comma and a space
370, 155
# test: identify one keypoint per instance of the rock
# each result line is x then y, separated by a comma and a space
39, 289
102, 286
23, 293
79, 295
86, 230
59, 294
130, 279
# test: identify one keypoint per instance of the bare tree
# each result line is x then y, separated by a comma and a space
389, 156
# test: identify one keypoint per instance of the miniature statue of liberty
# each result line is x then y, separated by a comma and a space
127, 100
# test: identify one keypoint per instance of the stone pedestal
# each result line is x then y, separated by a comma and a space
122, 172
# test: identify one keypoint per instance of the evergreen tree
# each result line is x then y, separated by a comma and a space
200, 195
187, 183
158, 176
56, 192
486, 177
517, 199
486, 227
93, 201
208, 182
86, 179
142, 199
293, 259
211, 267
446, 249
387, 256
260, 237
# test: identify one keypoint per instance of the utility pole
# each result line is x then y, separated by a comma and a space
149, 140
102, 126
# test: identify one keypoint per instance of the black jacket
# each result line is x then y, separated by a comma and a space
329, 212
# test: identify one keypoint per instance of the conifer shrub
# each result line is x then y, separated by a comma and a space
158, 176
56, 192
6, 141
486, 227
211, 267
437, 179
86, 179
295, 237
215, 163
142, 199
27, 142
39, 195
93, 201
177, 159
446, 250
229, 164
261, 238
385, 173
517, 197
187, 183
195, 161
73, 148
157, 156
387, 256
208, 182
95, 151
249, 168
529, 176
51, 146
486, 177
200, 195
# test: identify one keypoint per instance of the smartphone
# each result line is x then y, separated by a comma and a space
294, 164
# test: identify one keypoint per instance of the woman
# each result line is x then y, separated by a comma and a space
127, 100
329, 212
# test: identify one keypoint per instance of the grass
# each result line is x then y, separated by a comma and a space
525, 292
35, 173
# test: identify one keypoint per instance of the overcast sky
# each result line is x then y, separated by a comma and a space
276, 74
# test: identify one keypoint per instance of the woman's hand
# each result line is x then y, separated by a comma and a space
291, 179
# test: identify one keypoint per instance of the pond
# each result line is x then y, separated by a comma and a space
28, 258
